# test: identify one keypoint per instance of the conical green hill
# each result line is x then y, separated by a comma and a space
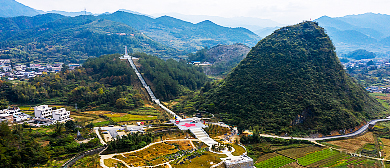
292, 81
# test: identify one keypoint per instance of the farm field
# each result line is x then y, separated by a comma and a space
316, 156
130, 117
312, 156
353, 144
276, 161
386, 148
299, 152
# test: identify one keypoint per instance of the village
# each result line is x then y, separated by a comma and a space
43, 116
18, 71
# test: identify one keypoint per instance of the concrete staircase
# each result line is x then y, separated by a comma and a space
203, 136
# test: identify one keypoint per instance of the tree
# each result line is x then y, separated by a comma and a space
58, 129
3, 104
70, 126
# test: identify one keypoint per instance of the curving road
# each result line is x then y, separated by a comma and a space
358, 132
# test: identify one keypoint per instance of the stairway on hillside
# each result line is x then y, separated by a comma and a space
203, 136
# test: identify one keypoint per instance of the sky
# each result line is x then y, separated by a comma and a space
282, 11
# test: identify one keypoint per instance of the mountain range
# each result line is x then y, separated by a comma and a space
367, 31
11, 8
55, 37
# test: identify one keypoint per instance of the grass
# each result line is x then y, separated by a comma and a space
316, 156
183, 145
276, 161
112, 163
91, 161
265, 157
151, 155
353, 144
299, 152
100, 124
238, 150
203, 161
130, 117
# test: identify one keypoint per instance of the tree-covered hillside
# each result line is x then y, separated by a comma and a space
102, 82
184, 35
54, 38
292, 81
170, 78
223, 58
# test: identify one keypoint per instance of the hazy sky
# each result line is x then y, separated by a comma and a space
282, 11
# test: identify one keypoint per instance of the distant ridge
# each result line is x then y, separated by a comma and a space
363, 31
11, 8
72, 14
184, 35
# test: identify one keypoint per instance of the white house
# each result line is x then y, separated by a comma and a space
61, 115
43, 111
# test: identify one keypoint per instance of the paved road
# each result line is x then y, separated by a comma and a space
361, 130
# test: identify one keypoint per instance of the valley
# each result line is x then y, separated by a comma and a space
208, 93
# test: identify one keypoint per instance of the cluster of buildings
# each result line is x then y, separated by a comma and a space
13, 115
21, 71
378, 63
44, 116
200, 63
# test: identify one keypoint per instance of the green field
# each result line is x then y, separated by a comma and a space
131, 117
276, 161
317, 156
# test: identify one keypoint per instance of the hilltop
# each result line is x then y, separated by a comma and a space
292, 82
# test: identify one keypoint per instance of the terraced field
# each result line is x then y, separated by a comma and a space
276, 161
311, 156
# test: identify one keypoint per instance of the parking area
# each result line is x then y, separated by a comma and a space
111, 132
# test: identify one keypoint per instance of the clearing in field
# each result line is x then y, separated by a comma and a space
353, 144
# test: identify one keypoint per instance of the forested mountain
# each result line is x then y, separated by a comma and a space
223, 58
53, 37
291, 81
184, 35
170, 78
360, 54
364, 31
103, 82
11, 8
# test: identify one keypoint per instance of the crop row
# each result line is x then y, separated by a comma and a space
316, 156
276, 161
